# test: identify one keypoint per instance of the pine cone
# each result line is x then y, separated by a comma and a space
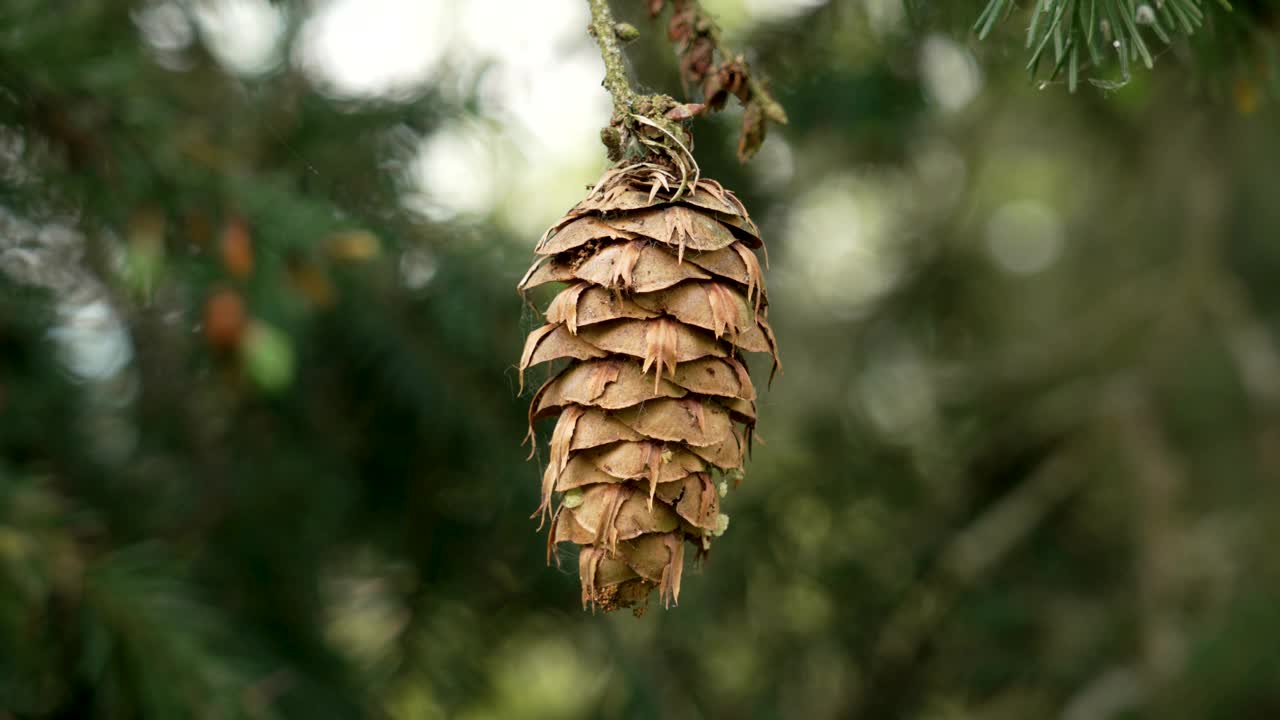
661, 279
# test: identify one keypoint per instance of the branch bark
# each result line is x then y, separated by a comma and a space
615, 73
638, 117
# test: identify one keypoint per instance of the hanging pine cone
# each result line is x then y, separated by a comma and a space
664, 295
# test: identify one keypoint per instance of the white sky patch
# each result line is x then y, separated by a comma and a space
370, 48
1024, 237
418, 268
164, 26
770, 10
537, 76
167, 31
951, 75
775, 164
520, 32
885, 17
456, 173
845, 231
541, 83
554, 125
92, 341
244, 35
557, 105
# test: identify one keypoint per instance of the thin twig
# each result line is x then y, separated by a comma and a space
772, 108
1159, 480
974, 552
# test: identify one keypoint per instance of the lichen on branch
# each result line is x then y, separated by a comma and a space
603, 28
641, 125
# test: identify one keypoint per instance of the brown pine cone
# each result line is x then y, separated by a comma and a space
664, 294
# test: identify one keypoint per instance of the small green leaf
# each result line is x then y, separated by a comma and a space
267, 357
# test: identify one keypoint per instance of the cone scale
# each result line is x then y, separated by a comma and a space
662, 297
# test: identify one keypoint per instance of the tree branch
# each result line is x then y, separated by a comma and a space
615, 73
642, 118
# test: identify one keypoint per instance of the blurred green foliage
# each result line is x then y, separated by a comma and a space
1023, 462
